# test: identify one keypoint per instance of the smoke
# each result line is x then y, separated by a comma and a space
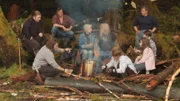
81, 10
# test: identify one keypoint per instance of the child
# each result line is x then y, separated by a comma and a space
146, 60
147, 34
120, 62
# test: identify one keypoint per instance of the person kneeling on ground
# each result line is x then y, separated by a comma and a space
119, 64
44, 61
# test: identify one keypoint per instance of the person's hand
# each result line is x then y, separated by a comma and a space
91, 44
68, 71
64, 28
68, 50
96, 54
41, 34
110, 70
137, 50
137, 32
151, 31
138, 58
103, 67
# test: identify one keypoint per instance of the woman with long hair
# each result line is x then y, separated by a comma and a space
146, 60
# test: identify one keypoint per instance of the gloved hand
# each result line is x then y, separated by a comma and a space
110, 70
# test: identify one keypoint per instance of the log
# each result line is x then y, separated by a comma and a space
166, 61
156, 80
90, 86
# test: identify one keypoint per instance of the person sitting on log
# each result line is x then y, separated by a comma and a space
148, 34
103, 44
142, 23
62, 26
86, 42
44, 61
146, 61
32, 37
119, 63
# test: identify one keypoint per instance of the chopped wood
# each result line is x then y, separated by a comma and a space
170, 84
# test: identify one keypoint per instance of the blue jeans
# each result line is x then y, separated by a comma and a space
59, 33
138, 38
103, 55
140, 67
87, 54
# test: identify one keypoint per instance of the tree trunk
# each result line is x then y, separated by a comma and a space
90, 86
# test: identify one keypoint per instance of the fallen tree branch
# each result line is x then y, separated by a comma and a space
107, 90
156, 80
165, 61
170, 84
125, 86
67, 87
137, 78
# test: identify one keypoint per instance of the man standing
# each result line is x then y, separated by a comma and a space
32, 37
62, 25
142, 23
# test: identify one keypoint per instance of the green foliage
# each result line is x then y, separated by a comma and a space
97, 98
6, 97
8, 42
166, 48
4, 25
14, 69
170, 23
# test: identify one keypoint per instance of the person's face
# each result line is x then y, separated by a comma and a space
144, 12
56, 46
60, 13
88, 30
116, 58
145, 36
37, 18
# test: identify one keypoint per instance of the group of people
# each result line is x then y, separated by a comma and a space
34, 41
102, 46
96, 47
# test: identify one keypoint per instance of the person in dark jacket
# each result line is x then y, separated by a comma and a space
142, 23
31, 36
